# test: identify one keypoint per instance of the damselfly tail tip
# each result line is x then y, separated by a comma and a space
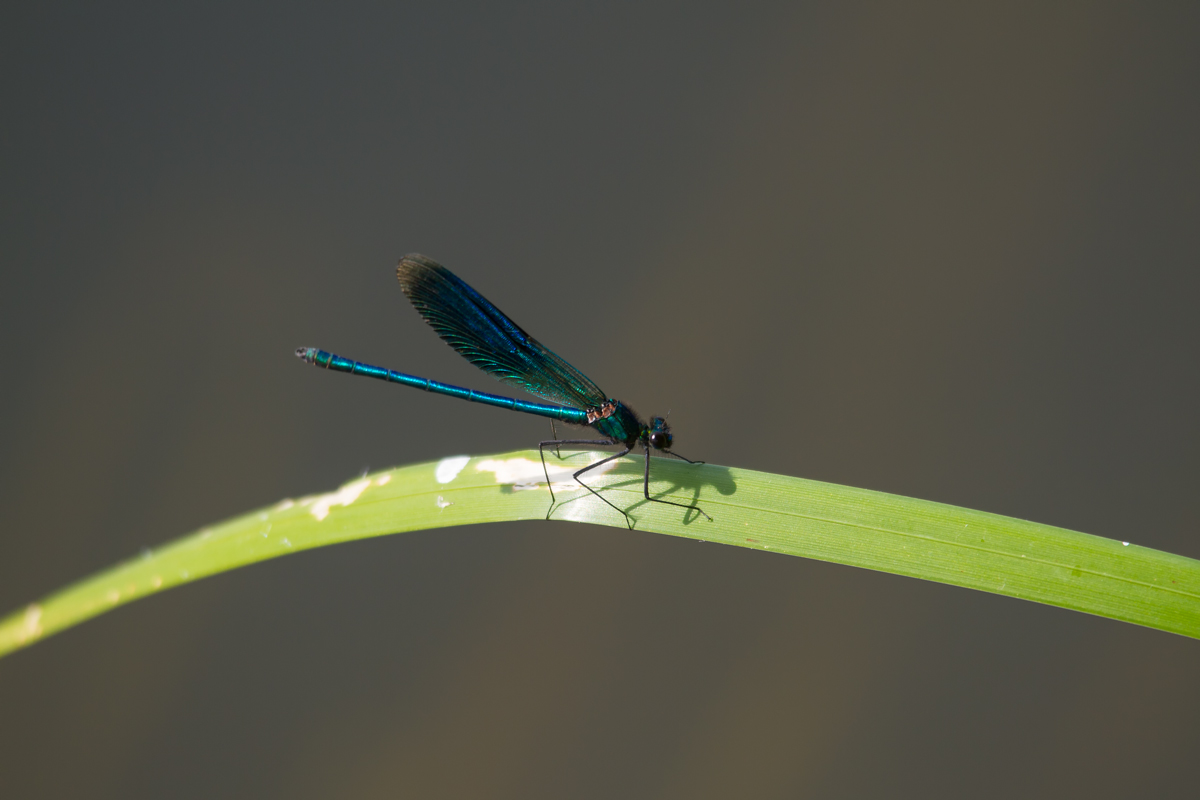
306, 353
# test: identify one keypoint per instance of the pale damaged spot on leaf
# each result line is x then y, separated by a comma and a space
524, 473
31, 623
321, 504
448, 468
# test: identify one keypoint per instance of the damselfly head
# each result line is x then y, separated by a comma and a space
659, 433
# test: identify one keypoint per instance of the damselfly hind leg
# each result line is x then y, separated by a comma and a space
556, 443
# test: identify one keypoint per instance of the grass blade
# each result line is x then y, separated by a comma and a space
751, 509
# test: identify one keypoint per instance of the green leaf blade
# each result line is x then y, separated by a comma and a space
762, 511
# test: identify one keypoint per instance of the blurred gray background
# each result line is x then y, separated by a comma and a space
939, 251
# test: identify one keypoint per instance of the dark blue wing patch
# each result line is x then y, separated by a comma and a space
487, 338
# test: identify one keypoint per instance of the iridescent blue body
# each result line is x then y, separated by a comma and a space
487, 338
328, 360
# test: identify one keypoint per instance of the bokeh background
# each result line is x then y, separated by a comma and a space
939, 250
